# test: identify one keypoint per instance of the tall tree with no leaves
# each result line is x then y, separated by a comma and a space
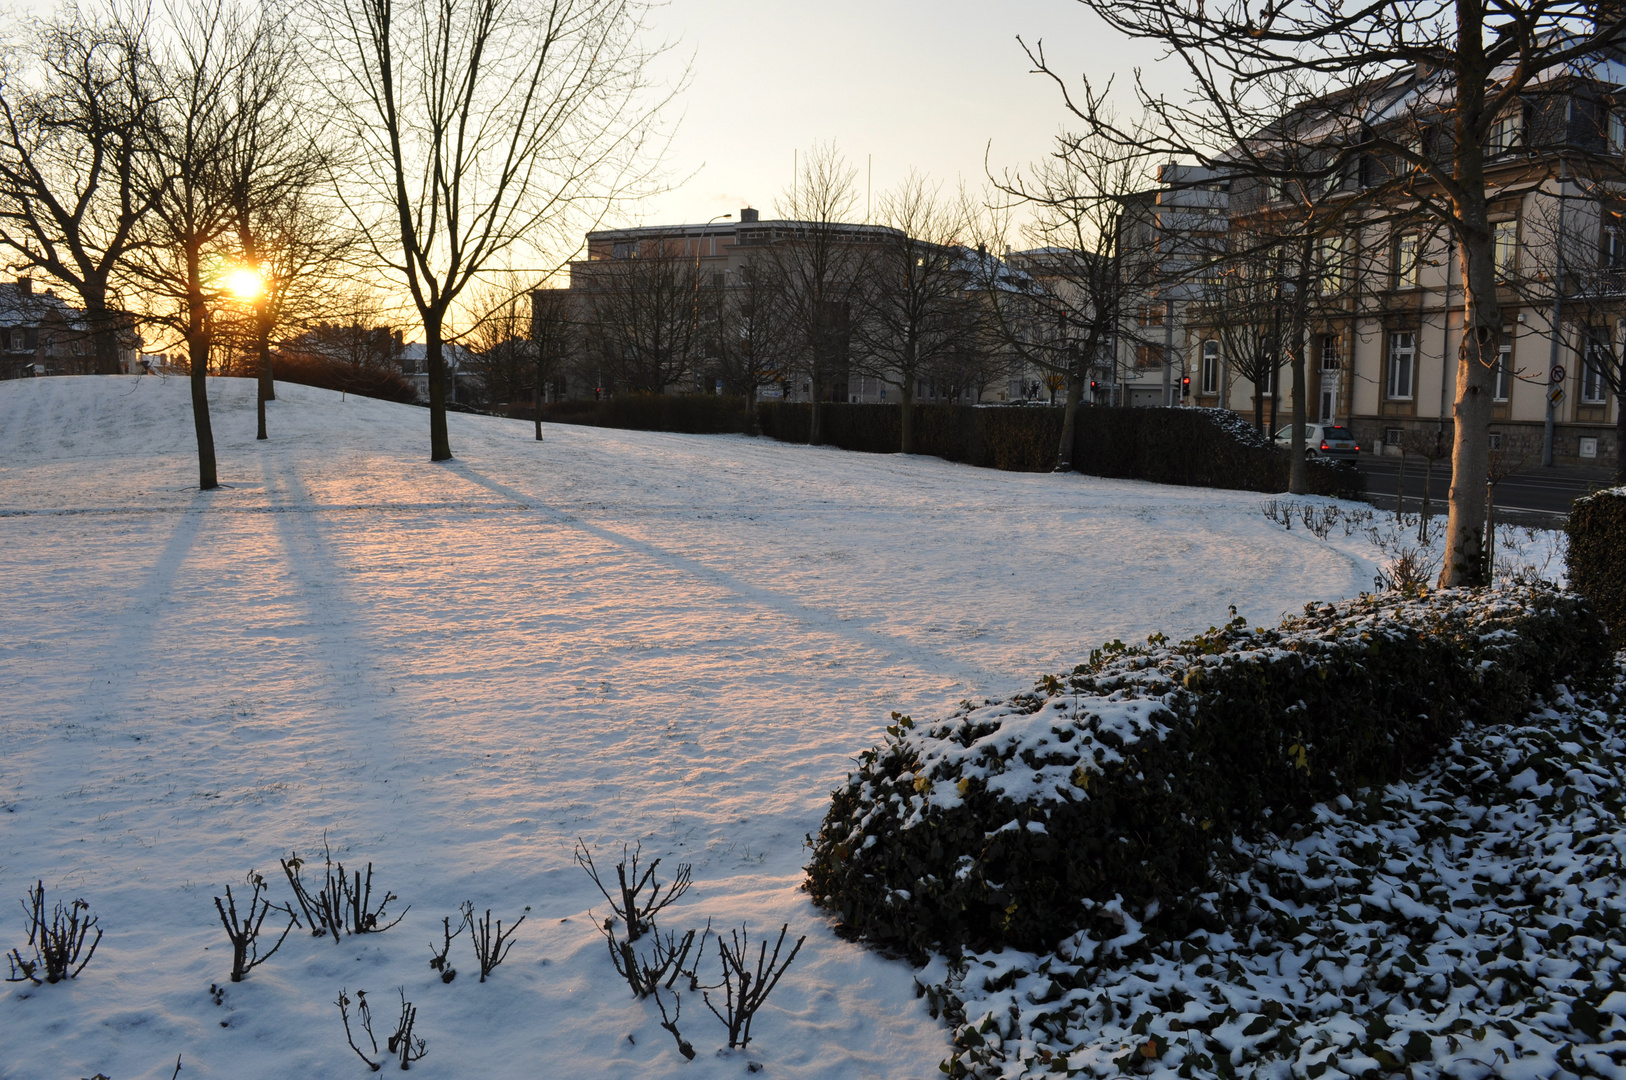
78, 105
481, 125
918, 306
820, 265
1427, 92
206, 48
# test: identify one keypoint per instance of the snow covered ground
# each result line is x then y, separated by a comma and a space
456, 670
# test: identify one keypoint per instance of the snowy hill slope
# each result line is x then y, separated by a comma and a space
455, 670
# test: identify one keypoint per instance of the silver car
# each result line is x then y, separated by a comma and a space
1323, 440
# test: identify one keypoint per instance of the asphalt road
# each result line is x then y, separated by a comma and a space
1537, 492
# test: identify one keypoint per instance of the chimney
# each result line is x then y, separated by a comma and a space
748, 216
25, 286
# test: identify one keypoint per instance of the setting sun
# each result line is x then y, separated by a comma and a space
245, 283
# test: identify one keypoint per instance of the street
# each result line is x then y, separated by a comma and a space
1540, 493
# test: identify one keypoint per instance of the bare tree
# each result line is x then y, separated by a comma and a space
1425, 95
554, 332
482, 125
1080, 279
643, 315
207, 47
1241, 304
749, 338
501, 346
820, 262
918, 304
1579, 294
77, 128
288, 246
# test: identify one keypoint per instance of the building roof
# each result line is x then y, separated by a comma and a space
21, 305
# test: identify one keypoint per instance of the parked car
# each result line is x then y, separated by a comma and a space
1323, 440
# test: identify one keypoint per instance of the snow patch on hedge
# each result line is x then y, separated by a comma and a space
1468, 922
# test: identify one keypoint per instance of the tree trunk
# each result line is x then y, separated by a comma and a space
267, 390
1424, 511
814, 435
1069, 422
1298, 479
197, 354
1464, 562
1620, 439
906, 416
1400, 486
536, 401
440, 444
104, 332
1258, 406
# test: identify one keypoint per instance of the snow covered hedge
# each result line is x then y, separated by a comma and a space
1597, 556
1124, 778
1467, 922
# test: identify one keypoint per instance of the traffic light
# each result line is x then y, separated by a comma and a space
1185, 386
1094, 386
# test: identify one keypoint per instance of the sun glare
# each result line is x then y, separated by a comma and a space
245, 283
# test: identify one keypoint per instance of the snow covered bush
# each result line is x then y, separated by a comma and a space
1468, 922
1597, 556
1126, 777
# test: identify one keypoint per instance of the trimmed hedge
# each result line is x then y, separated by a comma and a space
384, 383
1128, 776
1194, 447
1013, 439
1597, 556
1198, 448
694, 414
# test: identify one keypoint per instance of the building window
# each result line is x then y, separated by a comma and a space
1496, 440
1504, 247
1612, 241
1408, 260
1332, 265
1593, 386
17, 341
1211, 367
1402, 364
1150, 315
1148, 356
1329, 352
1617, 133
1391, 436
1508, 131
1504, 367
1267, 385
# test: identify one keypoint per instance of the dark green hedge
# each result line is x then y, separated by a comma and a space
1127, 777
1195, 447
1597, 556
1014, 439
696, 414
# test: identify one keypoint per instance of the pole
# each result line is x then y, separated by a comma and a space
1168, 350
1556, 328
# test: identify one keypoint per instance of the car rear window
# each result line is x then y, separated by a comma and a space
1337, 433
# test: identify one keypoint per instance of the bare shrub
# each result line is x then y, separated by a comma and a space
343, 903
364, 1016
635, 909
1409, 565
489, 949
746, 988
402, 1045
244, 932
440, 961
670, 1023
661, 965
57, 944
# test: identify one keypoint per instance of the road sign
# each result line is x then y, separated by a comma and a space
1556, 395
1557, 375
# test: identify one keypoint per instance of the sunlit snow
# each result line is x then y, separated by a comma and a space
455, 670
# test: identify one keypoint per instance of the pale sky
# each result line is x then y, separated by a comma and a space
908, 83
